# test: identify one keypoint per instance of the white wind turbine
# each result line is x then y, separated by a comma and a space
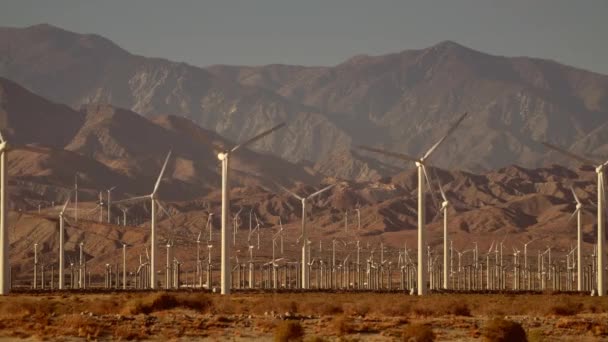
444, 209
109, 191
601, 233
61, 243
305, 257
5, 284
577, 212
422, 273
153, 203
224, 157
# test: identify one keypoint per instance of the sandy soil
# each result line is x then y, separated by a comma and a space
323, 316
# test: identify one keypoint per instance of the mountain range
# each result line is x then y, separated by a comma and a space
73, 103
401, 101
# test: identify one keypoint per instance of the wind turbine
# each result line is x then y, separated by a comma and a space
109, 192
601, 233
224, 157
153, 202
305, 279
5, 282
422, 274
61, 243
444, 210
236, 222
577, 212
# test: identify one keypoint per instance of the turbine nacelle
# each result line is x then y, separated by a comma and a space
222, 155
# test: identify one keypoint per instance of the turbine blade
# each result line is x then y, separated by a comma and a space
321, 191
66, 203
387, 153
573, 214
440, 186
428, 181
288, 191
569, 154
452, 128
575, 197
65, 219
257, 137
603, 190
34, 149
162, 208
162, 171
436, 215
132, 199
2, 138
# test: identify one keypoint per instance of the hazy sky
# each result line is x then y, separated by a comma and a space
325, 32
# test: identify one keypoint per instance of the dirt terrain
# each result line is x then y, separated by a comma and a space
322, 316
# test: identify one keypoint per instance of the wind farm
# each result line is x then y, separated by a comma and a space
431, 194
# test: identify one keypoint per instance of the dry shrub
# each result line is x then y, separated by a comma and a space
18, 307
536, 335
315, 339
288, 331
503, 330
166, 301
104, 307
342, 325
286, 306
459, 308
265, 326
356, 309
125, 332
418, 333
565, 307
78, 325
600, 329
225, 305
322, 308
424, 310
401, 309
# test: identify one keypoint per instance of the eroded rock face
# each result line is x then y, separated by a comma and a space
403, 101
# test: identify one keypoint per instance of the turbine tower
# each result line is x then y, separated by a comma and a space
305, 283
577, 212
601, 196
444, 210
422, 273
224, 157
5, 282
153, 203
61, 244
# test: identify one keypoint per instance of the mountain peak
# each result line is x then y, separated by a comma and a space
448, 44
44, 26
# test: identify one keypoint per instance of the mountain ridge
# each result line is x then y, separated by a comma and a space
401, 101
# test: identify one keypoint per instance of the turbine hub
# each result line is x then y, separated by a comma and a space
221, 156
599, 168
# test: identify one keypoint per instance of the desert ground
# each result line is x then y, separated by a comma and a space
312, 316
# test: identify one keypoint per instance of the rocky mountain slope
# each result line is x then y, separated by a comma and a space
109, 146
402, 101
